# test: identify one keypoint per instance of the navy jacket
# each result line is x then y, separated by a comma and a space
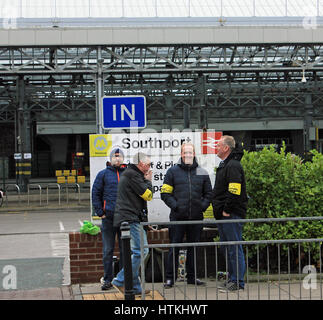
187, 190
104, 190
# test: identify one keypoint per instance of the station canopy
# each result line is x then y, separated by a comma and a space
86, 10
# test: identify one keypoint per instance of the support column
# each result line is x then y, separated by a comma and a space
308, 119
168, 112
186, 115
23, 166
99, 91
202, 111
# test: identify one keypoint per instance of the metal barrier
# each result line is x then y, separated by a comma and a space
18, 190
275, 281
73, 186
59, 187
34, 185
59, 191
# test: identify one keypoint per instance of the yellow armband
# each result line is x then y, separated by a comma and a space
235, 188
147, 195
166, 188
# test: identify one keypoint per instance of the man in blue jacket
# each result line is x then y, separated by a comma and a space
104, 195
187, 191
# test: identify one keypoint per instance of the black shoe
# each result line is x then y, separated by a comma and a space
222, 284
168, 284
106, 286
232, 287
198, 282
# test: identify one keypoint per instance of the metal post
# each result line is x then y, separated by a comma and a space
308, 118
99, 91
187, 115
168, 112
127, 265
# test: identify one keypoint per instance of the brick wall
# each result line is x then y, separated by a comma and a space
86, 254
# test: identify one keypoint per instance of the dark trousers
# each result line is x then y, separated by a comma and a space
176, 235
108, 242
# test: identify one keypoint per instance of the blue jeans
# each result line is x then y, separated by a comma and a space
135, 229
108, 242
234, 253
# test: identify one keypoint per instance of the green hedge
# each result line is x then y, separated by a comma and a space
280, 185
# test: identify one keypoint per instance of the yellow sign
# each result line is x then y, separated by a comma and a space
100, 145
60, 179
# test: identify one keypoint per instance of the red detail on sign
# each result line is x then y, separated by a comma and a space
209, 142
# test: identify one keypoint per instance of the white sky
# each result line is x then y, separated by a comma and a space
158, 8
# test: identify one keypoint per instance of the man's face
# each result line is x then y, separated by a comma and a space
188, 154
222, 149
117, 160
145, 165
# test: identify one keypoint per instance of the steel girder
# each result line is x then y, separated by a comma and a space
156, 60
231, 81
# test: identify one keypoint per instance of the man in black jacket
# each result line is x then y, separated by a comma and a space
134, 190
230, 202
187, 190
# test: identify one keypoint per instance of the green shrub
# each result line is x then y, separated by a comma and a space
280, 185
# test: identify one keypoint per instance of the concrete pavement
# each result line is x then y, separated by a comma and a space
264, 290
274, 290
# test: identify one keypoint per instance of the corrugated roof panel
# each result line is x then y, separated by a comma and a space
205, 8
139, 8
37, 8
237, 8
158, 8
172, 8
270, 8
72, 8
301, 8
106, 8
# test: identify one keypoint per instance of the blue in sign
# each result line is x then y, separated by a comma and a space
124, 112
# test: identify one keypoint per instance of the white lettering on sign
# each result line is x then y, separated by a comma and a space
164, 149
123, 110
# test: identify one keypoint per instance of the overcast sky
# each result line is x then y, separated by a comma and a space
158, 8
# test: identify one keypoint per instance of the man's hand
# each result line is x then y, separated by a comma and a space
225, 214
152, 227
104, 216
148, 175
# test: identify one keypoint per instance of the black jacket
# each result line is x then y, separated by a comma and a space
133, 193
229, 192
187, 190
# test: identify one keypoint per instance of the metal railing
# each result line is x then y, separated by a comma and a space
59, 191
28, 192
6, 192
271, 273
73, 185
43, 199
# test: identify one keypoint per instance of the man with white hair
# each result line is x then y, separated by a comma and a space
134, 190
